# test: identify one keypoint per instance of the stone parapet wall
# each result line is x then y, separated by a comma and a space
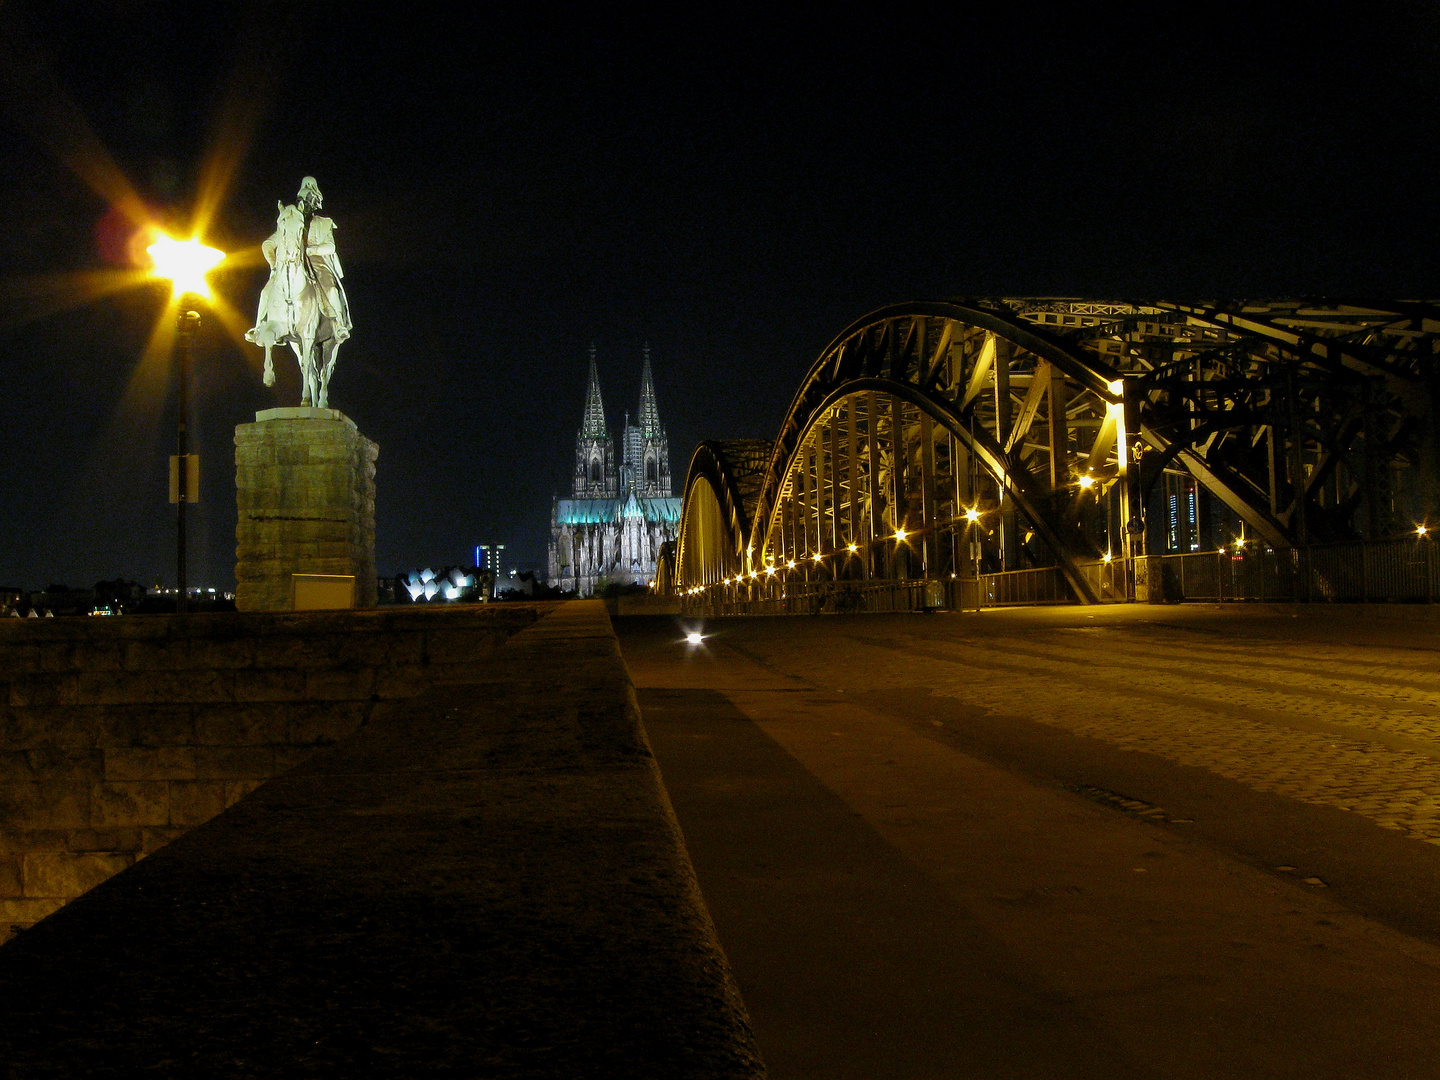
485, 880
117, 735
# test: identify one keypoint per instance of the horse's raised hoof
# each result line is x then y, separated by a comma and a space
269, 378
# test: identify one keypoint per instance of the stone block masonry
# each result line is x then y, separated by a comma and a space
117, 735
485, 881
305, 492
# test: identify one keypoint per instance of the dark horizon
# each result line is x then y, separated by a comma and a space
509, 189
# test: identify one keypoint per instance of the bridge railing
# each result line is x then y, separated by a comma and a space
1399, 571
1041, 585
839, 597
1392, 571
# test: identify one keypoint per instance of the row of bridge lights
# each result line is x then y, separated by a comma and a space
900, 535
972, 515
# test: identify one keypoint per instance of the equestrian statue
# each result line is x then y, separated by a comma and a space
303, 304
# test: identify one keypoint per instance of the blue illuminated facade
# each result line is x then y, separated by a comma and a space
621, 508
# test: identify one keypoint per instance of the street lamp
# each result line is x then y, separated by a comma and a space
185, 263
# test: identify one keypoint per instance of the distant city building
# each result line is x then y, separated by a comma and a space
516, 583
488, 558
621, 507
118, 597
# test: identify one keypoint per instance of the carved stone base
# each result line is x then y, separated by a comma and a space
305, 491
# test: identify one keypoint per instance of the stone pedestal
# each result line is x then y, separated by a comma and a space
305, 490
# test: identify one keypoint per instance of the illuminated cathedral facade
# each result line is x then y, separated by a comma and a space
621, 506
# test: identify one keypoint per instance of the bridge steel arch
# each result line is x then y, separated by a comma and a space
937, 438
721, 486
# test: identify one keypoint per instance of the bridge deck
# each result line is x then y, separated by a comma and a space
1132, 842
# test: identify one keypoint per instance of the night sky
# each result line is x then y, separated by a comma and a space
734, 188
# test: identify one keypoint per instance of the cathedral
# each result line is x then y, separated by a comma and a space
621, 507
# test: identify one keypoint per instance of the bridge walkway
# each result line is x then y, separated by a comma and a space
1131, 842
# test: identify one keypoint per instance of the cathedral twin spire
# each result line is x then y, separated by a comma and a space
593, 425
645, 456
648, 419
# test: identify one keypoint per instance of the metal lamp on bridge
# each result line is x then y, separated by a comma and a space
184, 263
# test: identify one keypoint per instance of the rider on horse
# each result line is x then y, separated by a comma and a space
304, 267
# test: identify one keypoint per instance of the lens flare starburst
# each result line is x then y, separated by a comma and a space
185, 263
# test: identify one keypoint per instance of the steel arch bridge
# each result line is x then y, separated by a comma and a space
939, 439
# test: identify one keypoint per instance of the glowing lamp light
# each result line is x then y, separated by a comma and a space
790, 565
1086, 481
1107, 557
972, 515
694, 638
817, 556
854, 548
185, 263
900, 534
1421, 530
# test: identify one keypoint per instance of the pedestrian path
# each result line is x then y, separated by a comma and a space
897, 905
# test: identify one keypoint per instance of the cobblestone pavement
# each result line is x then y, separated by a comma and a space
1352, 726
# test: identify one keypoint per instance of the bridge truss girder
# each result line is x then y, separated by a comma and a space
930, 437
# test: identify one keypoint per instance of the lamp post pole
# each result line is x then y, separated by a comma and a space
185, 263
188, 322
